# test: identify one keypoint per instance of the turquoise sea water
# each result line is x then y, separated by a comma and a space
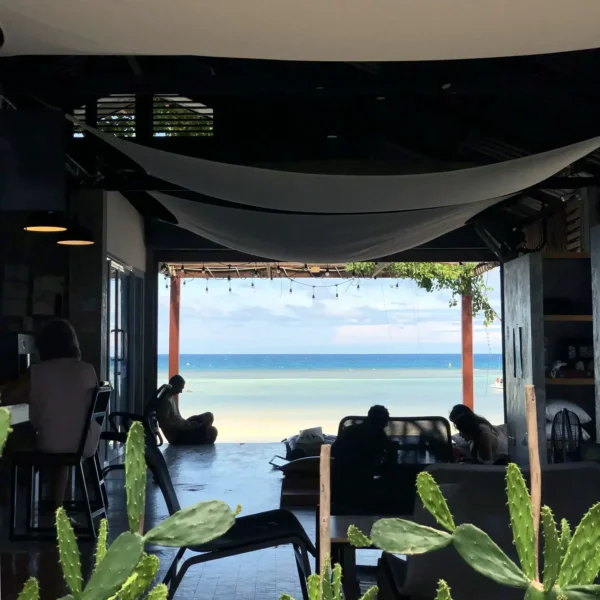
257, 398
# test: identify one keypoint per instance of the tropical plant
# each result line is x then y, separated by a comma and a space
328, 586
458, 278
571, 562
123, 571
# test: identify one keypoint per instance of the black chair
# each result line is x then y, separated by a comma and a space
566, 437
119, 423
251, 533
418, 439
36, 461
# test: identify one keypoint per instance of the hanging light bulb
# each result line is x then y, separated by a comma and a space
305, 267
207, 286
252, 284
290, 287
336, 292
358, 286
313, 295
327, 272
45, 222
278, 269
76, 235
203, 269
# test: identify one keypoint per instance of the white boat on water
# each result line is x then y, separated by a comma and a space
498, 384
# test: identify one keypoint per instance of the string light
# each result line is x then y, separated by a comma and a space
313, 294
358, 286
290, 286
327, 272
336, 292
207, 285
252, 284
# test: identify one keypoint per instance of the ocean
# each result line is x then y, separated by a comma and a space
266, 398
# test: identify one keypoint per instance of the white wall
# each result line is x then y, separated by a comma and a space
125, 232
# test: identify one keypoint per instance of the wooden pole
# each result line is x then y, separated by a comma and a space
324, 532
174, 312
467, 350
535, 470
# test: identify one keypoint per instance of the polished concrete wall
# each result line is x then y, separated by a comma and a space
125, 232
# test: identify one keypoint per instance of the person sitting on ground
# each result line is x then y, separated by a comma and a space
488, 444
359, 452
59, 390
194, 431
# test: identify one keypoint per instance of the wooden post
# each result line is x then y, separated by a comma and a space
174, 327
324, 532
467, 351
535, 470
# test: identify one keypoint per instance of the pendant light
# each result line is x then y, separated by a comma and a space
76, 235
45, 222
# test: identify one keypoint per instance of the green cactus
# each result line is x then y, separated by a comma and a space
565, 538
193, 526
552, 549
313, 583
371, 593
139, 581
285, 597
486, 557
535, 592
582, 561
326, 585
135, 475
399, 536
443, 591
434, 500
579, 592
521, 518
68, 553
30, 591
121, 559
337, 581
357, 538
4, 427
101, 544
160, 592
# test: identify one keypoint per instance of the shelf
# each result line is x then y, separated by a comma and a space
566, 255
569, 318
571, 381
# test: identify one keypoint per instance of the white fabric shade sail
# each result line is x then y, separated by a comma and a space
318, 238
311, 30
343, 194
291, 216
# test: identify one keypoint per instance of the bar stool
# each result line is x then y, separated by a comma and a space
36, 461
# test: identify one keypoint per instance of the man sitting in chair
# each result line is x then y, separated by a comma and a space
195, 431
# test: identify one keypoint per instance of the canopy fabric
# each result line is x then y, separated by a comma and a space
345, 194
313, 30
318, 238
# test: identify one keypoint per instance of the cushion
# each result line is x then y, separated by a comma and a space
555, 406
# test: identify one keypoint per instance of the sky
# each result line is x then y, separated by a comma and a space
375, 318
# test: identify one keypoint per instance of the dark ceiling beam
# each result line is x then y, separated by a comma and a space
191, 83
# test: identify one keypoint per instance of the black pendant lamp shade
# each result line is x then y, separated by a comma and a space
46, 222
76, 235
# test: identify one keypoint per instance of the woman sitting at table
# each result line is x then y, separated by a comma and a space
488, 444
59, 390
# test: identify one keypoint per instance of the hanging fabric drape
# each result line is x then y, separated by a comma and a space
345, 194
313, 30
317, 237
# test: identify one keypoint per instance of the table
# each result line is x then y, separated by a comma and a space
19, 413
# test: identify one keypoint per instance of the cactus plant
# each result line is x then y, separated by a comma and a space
68, 552
572, 563
328, 586
139, 581
102, 542
443, 591
4, 427
160, 592
30, 591
434, 501
135, 476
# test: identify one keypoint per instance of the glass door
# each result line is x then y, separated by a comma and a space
119, 314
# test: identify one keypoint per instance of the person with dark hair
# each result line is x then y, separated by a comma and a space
59, 390
194, 431
359, 452
488, 444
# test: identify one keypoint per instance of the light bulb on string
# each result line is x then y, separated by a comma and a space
313, 294
327, 272
203, 269
207, 286
252, 285
357, 286
290, 287
397, 285
336, 292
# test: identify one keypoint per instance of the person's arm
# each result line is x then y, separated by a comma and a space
17, 392
487, 446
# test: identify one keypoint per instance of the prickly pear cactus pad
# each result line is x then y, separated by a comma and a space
101, 544
121, 559
4, 427
135, 475
160, 592
443, 591
193, 526
399, 536
582, 561
68, 552
357, 538
487, 558
521, 518
552, 549
139, 581
434, 501
30, 591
